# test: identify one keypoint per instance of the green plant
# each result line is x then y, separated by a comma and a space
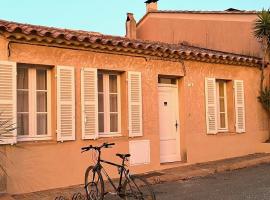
264, 98
262, 33
6, 127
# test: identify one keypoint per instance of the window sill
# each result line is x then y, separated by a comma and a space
34, 138
227, 133
109, 135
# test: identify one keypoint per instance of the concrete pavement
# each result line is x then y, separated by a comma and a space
246, 184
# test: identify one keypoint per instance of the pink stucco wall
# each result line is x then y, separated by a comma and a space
225, 32
33, 166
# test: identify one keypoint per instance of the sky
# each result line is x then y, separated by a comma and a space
107, 16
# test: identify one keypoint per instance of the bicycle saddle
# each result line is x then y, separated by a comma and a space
123, 156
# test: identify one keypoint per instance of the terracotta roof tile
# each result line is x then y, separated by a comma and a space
116, 43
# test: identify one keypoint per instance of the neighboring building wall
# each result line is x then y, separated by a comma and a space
41, 165
225, 32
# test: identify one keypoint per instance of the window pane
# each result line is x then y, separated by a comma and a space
41, 124
167, 80
100, 83
100, 103
22, 124
221, 88
222, 105
22, 101
41, 79
113, 122
113, 83
113, 103
100, 122
22, 78
41, 101
222, 120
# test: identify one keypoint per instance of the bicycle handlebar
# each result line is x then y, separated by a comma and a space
104, 145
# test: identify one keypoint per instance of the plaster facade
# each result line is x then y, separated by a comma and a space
41, 165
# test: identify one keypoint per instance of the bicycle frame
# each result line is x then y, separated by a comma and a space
121, 168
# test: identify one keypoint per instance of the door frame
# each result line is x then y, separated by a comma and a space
176, 86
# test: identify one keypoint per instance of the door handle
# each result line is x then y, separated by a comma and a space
176, 125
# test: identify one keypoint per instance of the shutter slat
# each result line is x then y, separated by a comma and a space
135, 104
239, 98
65, 103
89, 103
8, 103
211, 105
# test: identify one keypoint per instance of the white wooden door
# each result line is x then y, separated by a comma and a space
169, 123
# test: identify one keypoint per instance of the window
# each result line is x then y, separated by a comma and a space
108, 104
222, 105
164, 80
33, 103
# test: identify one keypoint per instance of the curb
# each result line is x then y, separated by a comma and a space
201, 170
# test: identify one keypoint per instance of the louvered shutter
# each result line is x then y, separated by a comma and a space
135, 104
239, 99
8, 133
65, 103
89, 103
211, 105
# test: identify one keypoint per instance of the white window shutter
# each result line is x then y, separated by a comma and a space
89, 103
8, 103
211, 105
135, 104
239, 98
65, 103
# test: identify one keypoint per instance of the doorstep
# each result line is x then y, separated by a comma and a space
181, 172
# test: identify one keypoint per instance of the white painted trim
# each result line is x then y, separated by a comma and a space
207, 105
32, 99
110, 135
61, 138
13, 101
32, 102
130, 103
33, 138
225, 104
174, 87
106, 101
238, 129
146, 152
49, 103
84, 118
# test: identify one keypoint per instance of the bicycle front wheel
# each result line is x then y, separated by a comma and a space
137, 187
94, 184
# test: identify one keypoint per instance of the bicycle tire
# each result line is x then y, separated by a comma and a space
90, 184
136, 187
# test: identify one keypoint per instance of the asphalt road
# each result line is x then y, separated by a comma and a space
244, 184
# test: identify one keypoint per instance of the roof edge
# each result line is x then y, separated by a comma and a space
195, 12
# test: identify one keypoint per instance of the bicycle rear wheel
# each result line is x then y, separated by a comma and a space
94, 184
137, 188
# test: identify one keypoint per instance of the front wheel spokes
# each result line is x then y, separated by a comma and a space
93, 192
94, 184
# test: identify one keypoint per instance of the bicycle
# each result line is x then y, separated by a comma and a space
134, 187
